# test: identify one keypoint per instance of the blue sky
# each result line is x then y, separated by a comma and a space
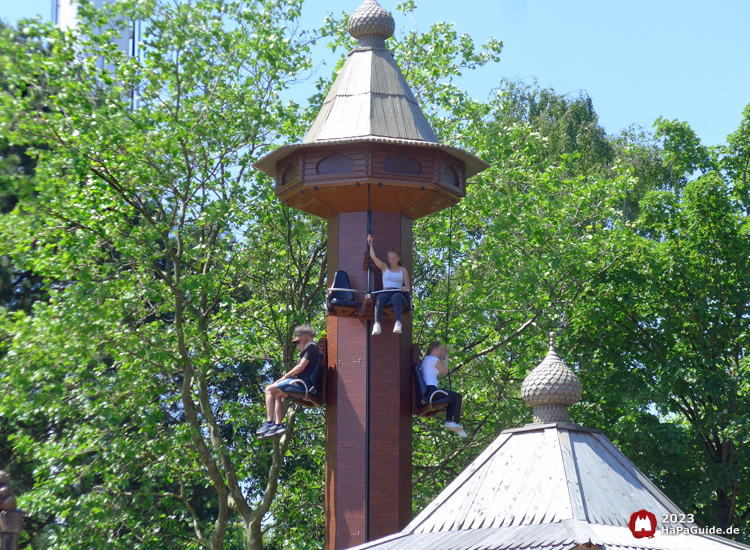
637, 59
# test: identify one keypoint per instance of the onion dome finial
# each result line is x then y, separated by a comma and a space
370, 24
551, 388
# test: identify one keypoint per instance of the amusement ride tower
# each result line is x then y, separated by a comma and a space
370, 163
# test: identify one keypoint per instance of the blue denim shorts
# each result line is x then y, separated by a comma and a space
285, 385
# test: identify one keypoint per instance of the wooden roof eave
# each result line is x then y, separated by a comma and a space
267, 163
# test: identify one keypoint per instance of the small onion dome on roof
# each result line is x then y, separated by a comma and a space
551, 388
371, 24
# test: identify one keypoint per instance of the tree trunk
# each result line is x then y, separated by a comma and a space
725, 500
724, 509
254, 536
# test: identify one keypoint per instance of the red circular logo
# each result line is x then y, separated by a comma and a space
642, 524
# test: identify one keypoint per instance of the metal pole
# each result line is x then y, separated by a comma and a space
369, 232
448, 294
368, 358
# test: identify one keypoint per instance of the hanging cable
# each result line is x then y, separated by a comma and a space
288, 287
368, 363
369, 232
448, 293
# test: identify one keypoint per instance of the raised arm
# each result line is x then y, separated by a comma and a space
441, 367
381, 264
442, 364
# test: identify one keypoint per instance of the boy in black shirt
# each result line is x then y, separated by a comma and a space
304, 338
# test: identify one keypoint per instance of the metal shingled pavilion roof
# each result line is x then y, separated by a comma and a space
555, 486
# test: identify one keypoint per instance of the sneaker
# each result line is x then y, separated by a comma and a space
376, 329
277, 431
462, 433
264, 428
397, 327
452, 426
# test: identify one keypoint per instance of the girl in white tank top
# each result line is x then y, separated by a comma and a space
435, 363
395, 281
430, 371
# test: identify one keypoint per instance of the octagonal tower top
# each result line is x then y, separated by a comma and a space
372, 138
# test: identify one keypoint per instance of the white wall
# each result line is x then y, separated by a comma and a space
65, 15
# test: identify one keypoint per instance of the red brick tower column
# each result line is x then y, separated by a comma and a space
369, 403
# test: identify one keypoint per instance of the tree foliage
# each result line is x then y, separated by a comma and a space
144, 207
663, 335
164, 278
172, 277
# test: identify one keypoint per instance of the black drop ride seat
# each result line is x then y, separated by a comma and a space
427, 406
341, 301
310, 395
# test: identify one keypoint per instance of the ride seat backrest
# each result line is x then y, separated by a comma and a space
341, 280
419, 386
316, 376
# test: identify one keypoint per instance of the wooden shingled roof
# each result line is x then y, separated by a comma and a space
370, 98
370, 102
554, 486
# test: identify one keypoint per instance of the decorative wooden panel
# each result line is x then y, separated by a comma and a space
289, 167
451, 177
326, 181
452, 172
358, 159
402, 164
335, 164
423, 156
290, 175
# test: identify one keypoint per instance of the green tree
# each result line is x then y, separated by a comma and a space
149, 212
182, 275
19, 289
533, 232
174, 276
662, 337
